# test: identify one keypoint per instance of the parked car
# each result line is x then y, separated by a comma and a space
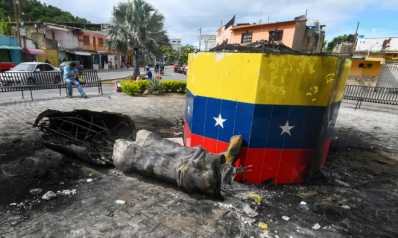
79, 66
27, 74
181, 69
176, 68
5, 66
186, 70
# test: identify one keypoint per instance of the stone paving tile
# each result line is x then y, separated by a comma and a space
13, 116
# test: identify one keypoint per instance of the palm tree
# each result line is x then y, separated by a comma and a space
137, 27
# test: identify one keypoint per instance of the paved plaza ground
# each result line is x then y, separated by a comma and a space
360, 174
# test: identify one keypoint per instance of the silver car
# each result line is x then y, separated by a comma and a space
31, 73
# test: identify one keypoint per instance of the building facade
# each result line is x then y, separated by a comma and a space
175, 44
372, 57
10, 50
60, 42
294, 34
224, 33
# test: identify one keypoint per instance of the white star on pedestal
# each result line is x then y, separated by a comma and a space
219, 120
286, 128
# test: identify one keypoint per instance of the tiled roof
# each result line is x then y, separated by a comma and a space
264, 24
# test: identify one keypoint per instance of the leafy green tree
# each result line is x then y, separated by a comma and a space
129, 31
184, 51
5, 29
36, 11
338, 40
169, 53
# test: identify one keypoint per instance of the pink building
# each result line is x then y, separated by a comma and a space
92, 41
224, 33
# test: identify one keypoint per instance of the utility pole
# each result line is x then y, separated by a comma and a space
22, 24
200, 36
17, 21
355, 40
138, 48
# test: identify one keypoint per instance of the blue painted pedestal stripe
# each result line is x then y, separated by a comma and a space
259, 124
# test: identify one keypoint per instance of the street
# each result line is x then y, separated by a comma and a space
121, 73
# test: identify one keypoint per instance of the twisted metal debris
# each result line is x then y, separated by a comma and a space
85, 134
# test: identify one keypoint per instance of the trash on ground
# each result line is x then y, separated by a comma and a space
120, 202
177, 133
304, 206
345, 207
316, 226
285, 218
49, 195
115, 172
89, 180
67, 192
262, 225
254, 197
36, 191
174, 127
249, 211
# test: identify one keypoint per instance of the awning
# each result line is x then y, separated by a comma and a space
35, 51
58, 28
8, 47
80, 53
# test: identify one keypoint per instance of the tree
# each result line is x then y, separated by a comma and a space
5, 29
129, 31
184, 51
169, 53
339, 40
36, 11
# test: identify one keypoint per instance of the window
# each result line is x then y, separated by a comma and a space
101, 42
48, 67
361, 65
369, 66
86, 40
277, 35
247, 37
39, 67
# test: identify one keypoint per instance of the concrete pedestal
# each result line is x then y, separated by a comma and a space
284, 106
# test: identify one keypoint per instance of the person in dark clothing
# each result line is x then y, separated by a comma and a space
47, 61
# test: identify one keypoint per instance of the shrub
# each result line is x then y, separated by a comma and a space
155, 87
167, 85
142, 85
130, 88
175, 86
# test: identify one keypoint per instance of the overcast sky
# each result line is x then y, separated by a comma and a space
184, 18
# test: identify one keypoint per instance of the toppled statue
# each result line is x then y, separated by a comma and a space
191, 168
105, 138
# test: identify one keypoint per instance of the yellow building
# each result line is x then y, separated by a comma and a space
51, 55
